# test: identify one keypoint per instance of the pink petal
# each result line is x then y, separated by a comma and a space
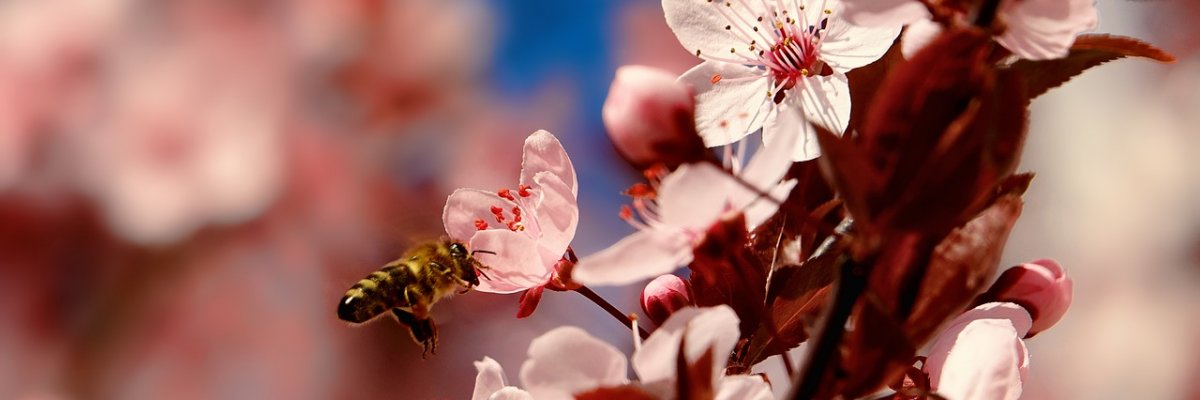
465, 206
918, 34
511, 393
642, 255
847, 46
731, 108
743, 387
489, 380
758, 210
883, 12
650, 118
543, 152
1045, 29
981, 355
694, 196
567, 360
772, 161
516, 266
700, 26
713, 328
1041, 286
557, 214
825, 101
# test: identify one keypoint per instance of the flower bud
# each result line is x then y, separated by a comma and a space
651, 118
981, 354
663, 296
1040, 286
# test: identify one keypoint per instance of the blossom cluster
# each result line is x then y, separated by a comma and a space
868, 223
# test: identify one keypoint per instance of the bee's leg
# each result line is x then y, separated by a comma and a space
423, 330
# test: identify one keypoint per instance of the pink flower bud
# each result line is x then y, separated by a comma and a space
651, 118
663, 296
1040, 286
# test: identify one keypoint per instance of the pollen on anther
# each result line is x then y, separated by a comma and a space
715, 78
828, 11
733, 50
523, 190
728, 27
626, 212
516, 210
480, 224
496, 210
697, 52
505, 193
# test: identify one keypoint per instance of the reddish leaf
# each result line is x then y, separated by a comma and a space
725, 272
797, 295
626, 392
962, 266
1088, 51
866, 81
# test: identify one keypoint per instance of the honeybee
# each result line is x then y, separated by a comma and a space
411, 284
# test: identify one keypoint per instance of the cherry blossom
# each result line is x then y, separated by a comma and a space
772, 65
649, 116
1034, 29
664, 295
528, 228
568, 361
682, 207
981, 356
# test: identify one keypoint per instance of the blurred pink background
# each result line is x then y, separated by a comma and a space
187, 187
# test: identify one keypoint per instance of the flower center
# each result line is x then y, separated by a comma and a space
780, 37
511, 219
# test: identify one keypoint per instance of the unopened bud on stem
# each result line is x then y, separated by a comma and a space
663, 296
651, 118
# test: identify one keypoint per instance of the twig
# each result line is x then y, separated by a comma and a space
624, 319
852, 282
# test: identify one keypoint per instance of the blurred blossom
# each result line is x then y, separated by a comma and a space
981, 356
675, 215
650, 118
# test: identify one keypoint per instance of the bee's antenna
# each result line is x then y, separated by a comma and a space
483, 251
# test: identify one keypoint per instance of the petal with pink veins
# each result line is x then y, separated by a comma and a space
557, 213
847, 46
544, 153
642, 255
466, 206
731, 100
516, 265
567, 360
700, 26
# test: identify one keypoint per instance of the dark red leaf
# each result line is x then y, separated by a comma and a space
866, 81
797, 295
725, 272
962, 266
627, 392
1088, 51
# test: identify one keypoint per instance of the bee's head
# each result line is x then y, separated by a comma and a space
458, 251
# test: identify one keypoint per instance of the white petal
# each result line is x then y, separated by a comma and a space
1045, 29
758, 210
511, 393
642, 255
694, 196
847, 46
743, 387
883, 12
489, 380
918, 34
713, 328
567, 360
700, 26
733, 107
789, 130
772, 161
543, 152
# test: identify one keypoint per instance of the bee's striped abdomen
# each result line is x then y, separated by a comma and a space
378, 292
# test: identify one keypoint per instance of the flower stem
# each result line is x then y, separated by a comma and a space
624, 319
852, 282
